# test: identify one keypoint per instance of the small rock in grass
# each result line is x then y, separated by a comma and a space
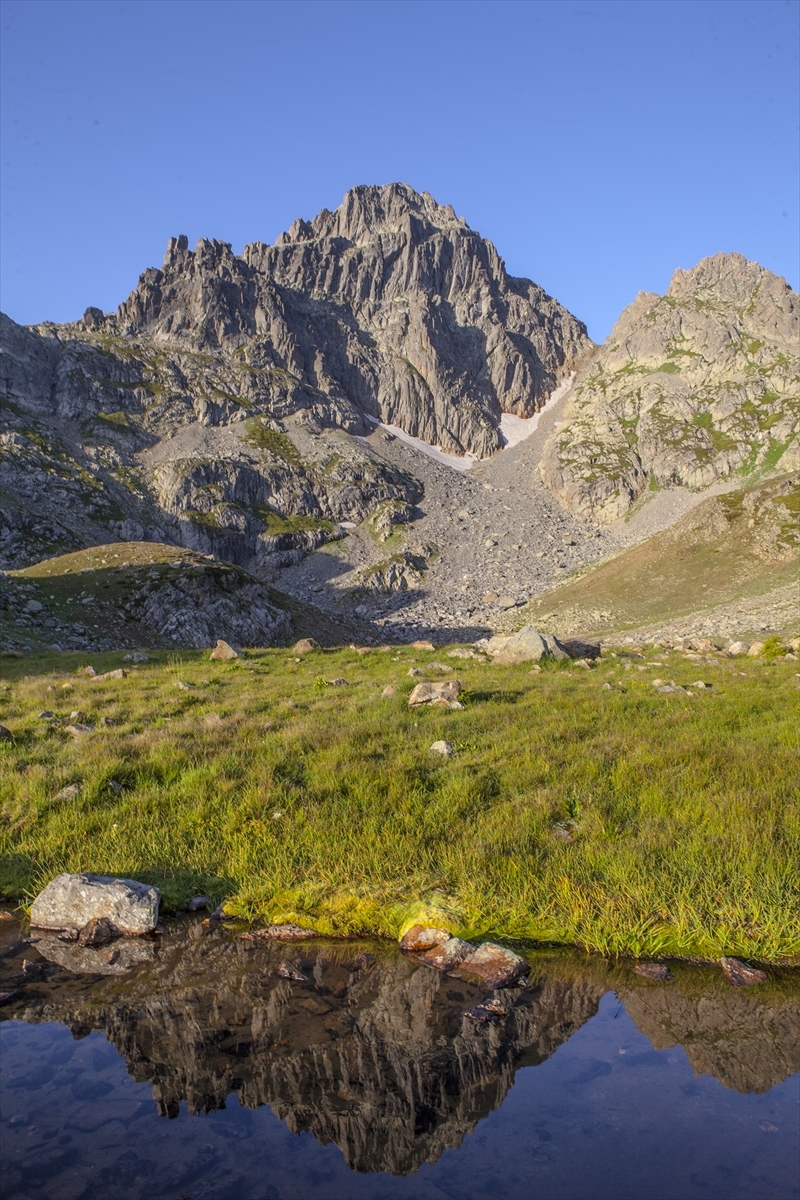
114, 787
415, 671
67, 687
107, 722
96, 932
443, 748
198, 903
184, 687
77, 730
739, 974
141, 658
5, 734
653, 971
45, 715
118, 674
699, 683
670, 687
489, 1010
560, 834
389, 691
69, 792
737, 648
462, 652
756, 649
90, 671
423, 644
437, 666
223, 652
417, 939
287, 971
305, 645
434, 693
337, 683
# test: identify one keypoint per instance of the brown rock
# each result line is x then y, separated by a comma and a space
305, 645
280, 933
423, 644
389, 691
739, 974
654, 971
495, 966
96, 932
448, 955
118, 674
418, 939
222, 652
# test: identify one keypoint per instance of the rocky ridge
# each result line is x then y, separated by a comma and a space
689, 388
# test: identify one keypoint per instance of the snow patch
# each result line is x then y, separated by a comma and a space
456, 461
516, 429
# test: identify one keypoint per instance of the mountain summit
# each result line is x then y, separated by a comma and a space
389, 307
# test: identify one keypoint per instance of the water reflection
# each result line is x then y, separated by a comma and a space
372, 1052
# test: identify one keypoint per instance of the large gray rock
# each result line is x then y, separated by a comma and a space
527, 645
70, 902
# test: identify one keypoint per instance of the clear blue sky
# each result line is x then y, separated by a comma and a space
599, 144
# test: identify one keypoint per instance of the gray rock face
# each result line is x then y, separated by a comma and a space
689, 388
390, 306
72, 901
528, 645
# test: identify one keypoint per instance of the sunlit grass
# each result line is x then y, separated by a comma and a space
293, 800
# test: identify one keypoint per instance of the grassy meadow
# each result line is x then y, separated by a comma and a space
618, 819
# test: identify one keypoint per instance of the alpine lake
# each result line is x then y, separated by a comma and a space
199, 1066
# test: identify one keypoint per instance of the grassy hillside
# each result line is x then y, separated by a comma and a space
619, 818
738, 545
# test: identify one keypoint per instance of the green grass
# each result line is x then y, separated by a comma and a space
294, 801
279, 445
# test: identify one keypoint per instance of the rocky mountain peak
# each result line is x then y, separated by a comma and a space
367, 210
688, 388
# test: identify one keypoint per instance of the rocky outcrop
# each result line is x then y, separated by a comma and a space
688, 388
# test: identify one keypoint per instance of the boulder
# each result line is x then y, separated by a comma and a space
118, 674
756, 649
528, 645
576, 648
389, 691
737, 648
305, 645
72, 901
444, 693
419, 939
423, 644
495, 966
222, 652
443, 748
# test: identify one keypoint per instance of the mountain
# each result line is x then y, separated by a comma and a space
689, 388
212, 410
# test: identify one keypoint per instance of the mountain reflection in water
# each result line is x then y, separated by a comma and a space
374, 1052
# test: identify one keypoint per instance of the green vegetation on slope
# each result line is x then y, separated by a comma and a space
623, 820
736, 545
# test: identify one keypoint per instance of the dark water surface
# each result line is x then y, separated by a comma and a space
368, 1081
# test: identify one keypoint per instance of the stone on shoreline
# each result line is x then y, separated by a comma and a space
739, 974
72, 901
495, 966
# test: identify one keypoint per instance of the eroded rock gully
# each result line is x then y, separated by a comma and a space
374, 1052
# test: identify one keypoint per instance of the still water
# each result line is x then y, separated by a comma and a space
187, 1068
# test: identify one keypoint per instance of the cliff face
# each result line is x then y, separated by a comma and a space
689, 388
390, 306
